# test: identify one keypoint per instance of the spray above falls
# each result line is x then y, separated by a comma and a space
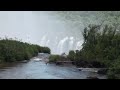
61, 31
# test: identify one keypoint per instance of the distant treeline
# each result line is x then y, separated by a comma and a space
13, 50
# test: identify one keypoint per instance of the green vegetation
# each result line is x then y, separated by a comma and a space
71, 55
44, 50
114, 70
13, 50
101, 48
55, 58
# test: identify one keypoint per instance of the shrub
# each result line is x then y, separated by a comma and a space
54, 58
71, 55
114, 70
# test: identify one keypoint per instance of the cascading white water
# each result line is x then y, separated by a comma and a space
71, 42
61, 45
47, 43
60, 31
79, 45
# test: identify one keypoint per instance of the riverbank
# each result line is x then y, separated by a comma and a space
81, 65
5, 64
13, 50
39, 70
50, 70
98, 70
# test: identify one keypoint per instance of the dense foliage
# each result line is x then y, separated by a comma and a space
55, 58
13, 50
101, 46
44, 50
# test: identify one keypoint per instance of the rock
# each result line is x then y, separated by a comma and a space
79, 69
58, 63
25, 61
102, 71
92, 77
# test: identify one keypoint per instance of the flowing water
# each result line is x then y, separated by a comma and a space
35, 69
60, 31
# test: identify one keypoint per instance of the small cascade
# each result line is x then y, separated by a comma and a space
79, 45
71, 42
60, 46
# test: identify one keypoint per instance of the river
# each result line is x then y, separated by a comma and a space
40, 70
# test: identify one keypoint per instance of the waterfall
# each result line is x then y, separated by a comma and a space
60, 46
71, 42
60, 31
47, 43
79, 45
43, 41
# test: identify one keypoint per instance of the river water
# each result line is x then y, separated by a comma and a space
40, 70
